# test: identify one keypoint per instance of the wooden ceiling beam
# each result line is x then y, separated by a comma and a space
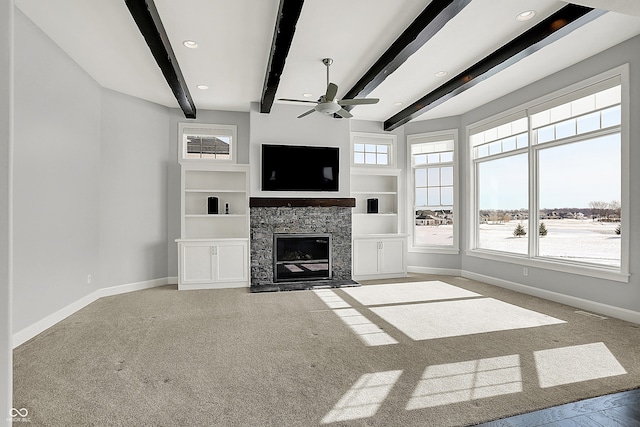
288, 14
146, 16
543, 34
422, 29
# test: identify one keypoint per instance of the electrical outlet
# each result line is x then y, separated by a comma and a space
525, 271
88, 279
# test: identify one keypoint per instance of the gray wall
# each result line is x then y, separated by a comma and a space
134, 164
282, 127
91, 177
56, 177
6, 142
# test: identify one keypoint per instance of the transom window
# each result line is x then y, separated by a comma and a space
207, 142
548, 180
372, 149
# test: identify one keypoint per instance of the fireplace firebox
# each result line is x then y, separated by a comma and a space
301, 257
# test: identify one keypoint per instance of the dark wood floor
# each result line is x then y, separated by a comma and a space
620, 409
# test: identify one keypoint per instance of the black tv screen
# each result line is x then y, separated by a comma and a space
299, 168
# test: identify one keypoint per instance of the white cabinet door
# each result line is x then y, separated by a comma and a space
392, 258
210, 264
197, 263
231, 261
365, 257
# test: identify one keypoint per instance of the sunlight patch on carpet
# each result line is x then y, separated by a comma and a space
394, 293
331, 299
367, 331
456, 318
567, 365
465, 381
364, 398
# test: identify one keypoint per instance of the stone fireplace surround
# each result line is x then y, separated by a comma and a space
299, 215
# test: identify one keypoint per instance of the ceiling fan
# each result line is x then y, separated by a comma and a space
328, 104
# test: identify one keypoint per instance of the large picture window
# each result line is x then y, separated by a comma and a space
548, 180
432, 159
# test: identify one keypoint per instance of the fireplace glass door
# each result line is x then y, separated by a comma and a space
300, 257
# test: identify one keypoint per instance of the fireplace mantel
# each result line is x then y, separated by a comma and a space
299, 202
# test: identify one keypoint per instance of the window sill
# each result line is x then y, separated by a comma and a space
434, 250
548, 264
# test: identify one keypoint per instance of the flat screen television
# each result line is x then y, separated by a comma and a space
299, 168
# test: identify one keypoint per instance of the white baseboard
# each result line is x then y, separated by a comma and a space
436, 271
592, 306
29, 332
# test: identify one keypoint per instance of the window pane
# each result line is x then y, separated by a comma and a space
566, 129
370, 158
611, 117
589, 123
358, 147
522, 141
370, 148
577, 181
420, 159
446, 157
495, 148
383, 159
433, 158
509, 144
502, 189
447, 175
421, 177
358, 158
383, 148
433, 228
546, 134
447, 196
482, 151
421, 197
434, 177
433, 196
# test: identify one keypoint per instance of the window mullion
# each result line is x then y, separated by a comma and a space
534, 210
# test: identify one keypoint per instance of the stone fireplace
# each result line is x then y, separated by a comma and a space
304, 222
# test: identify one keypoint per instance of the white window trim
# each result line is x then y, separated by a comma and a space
454, 249
207, 129
602, 272
375, 138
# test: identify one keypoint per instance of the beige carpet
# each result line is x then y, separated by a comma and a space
352, 356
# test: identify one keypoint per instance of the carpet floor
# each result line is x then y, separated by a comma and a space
422, 351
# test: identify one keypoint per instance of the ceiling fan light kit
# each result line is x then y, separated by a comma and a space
328, 104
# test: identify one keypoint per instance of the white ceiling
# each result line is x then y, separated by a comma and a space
235, 37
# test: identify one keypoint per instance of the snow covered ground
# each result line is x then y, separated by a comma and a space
570, 239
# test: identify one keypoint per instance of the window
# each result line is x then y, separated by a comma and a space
548, 181
372, 149
207, 142
432, 180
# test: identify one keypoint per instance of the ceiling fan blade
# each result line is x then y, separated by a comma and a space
359, 101
297, 100
344, 113
332, 90
306, 113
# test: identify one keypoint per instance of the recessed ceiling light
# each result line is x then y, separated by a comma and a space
525, 16
190, 44
307, 95
202, 87
397, 104
441, 74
